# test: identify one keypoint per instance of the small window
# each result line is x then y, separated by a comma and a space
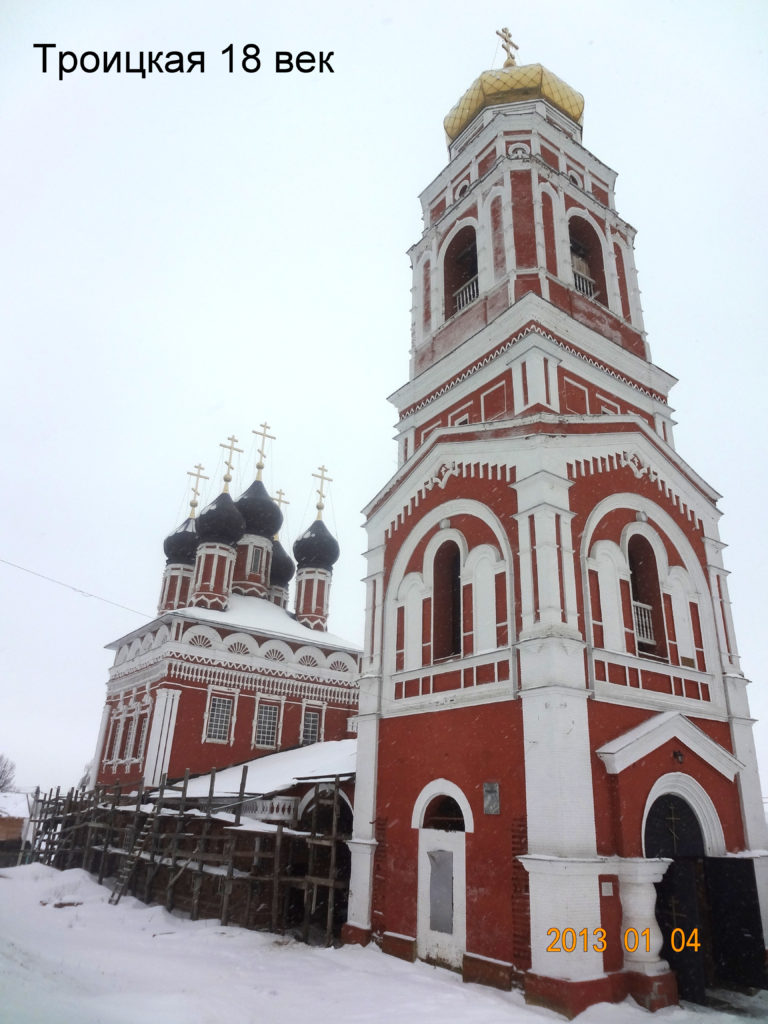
311, 731
266, 725
219, 717
142, 737
256, 560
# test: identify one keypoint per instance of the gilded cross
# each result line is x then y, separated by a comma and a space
280, 500
231, 449
264, 435
320, 490
506, 42
197, 473
672, 821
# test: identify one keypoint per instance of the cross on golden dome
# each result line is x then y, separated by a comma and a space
198, 475
506, 41
231, 449
264, 435
323, 480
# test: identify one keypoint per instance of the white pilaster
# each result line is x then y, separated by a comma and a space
161, 735
362, 846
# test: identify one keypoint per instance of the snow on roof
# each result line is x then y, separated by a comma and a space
277, 772
14, 805
258, 614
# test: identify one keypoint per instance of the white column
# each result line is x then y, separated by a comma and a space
748, 782
96, 763
558, 770
637, 880
362, 846
564, 893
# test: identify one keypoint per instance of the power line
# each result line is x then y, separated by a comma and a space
77, 590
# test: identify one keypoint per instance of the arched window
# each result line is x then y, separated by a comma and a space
446, 602
460, 272
444, 813
587, 260
647, 612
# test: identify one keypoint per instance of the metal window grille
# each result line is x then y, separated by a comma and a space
266, 725
311, 730
219, 717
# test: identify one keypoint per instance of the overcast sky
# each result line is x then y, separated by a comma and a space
187, 256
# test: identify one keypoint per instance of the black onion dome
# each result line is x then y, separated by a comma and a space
283, 568
316, 548
262, 515
221, 522
180, 546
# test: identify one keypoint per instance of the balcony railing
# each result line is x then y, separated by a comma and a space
642, 614
276, 808
584, 284
466, 294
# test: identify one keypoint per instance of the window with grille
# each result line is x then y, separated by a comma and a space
266, 725
219, 717
311, 730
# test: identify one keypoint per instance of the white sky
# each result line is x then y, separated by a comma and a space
188, 255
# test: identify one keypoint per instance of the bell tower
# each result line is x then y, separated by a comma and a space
550, 660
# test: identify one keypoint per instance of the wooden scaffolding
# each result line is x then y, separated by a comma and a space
206, 860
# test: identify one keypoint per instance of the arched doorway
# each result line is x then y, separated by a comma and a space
707, 907
441, 912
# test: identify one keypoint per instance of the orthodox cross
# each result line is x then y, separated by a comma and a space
676, 912
506, 42
197, 473
672, 820
280, 500
264, 435
231, 449
323, 480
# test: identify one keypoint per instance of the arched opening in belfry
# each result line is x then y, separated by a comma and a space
707, 907
587, 260
460, 272
446, 601
647, 611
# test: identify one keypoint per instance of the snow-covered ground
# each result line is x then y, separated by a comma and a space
68, 957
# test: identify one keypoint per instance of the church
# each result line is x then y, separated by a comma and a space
557, 786
226, 673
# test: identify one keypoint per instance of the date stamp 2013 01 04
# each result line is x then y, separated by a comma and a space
569, 940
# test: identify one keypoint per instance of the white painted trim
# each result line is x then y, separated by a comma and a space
443, 946
161, 735
679, 784
639, 742
638, 503
441, 787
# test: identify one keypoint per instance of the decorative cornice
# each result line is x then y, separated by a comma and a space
640, 466
505, 346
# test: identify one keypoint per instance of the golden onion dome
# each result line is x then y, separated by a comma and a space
513, 84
